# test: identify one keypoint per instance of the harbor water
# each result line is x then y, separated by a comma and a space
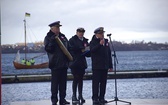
143, 88
127, 60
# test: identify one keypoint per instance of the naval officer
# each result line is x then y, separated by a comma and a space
58, 63
101, 63
79, 48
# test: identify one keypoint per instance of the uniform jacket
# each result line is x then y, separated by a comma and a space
75, 47
57, 59
100, 54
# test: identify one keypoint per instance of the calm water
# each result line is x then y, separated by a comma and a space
127, 60
144, 88
147, 88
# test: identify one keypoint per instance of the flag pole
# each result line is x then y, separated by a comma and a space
26, 15
25, 37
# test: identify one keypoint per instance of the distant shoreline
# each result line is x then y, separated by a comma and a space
118, 46
45, 52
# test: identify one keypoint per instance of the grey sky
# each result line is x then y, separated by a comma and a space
127, 20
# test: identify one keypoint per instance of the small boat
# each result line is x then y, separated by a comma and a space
17, 62
23, 66
19, 65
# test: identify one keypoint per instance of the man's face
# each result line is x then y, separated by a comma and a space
80, 34
55, 29
100, 35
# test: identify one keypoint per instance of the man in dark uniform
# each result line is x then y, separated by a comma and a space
79, 48
101, 62
58, 63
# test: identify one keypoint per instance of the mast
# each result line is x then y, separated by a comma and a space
25, 38
26, 15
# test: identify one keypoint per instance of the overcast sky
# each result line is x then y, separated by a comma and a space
127, 20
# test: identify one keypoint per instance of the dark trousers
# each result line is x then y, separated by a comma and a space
58, 83
77, 83
99, 82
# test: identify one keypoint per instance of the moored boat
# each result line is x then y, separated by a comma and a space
20, 65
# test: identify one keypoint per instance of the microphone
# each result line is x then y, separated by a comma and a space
109, 34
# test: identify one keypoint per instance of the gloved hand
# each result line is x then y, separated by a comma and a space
53, 38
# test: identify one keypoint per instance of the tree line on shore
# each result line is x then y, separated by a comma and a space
38, 47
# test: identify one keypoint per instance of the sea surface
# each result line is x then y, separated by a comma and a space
142, 88
127, 60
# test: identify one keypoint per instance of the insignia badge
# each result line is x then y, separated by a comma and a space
85, 45
62, 37
101, 28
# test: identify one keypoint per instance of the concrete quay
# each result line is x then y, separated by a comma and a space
88, 76
89, 102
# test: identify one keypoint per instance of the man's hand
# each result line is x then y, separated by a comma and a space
102, 42
53, 37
